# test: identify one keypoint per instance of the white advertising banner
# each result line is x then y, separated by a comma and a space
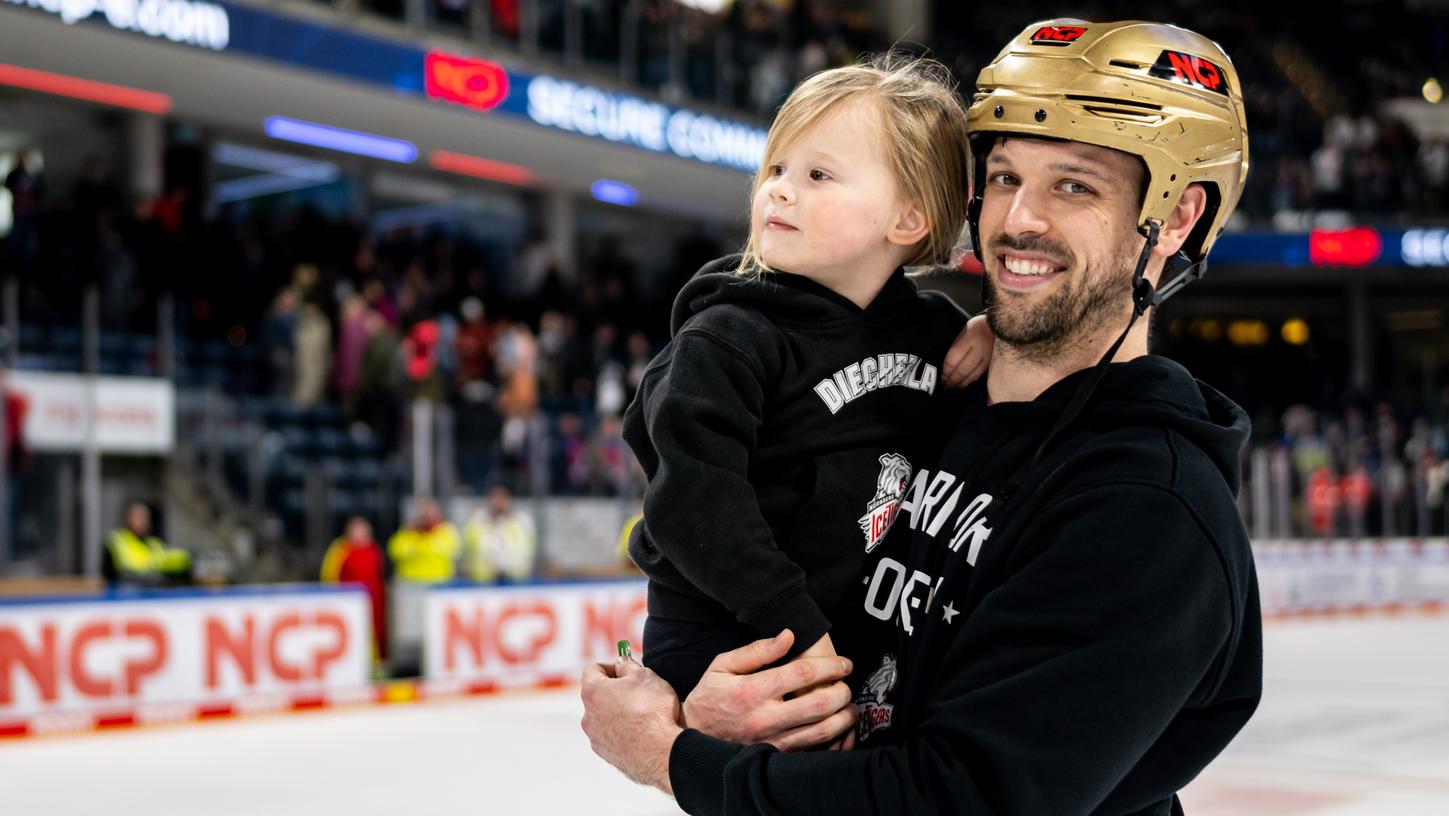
1330, 576
134, 415
105, 655
528, 634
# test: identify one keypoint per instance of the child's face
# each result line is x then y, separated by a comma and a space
828, 202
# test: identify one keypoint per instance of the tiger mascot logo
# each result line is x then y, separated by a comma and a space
890, 488
875, 712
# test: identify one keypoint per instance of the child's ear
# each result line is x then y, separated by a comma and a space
910, 227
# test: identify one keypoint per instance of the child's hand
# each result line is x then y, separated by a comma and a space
824, 647
967, 358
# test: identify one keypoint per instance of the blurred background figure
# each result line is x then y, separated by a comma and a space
355, 558
424, 553
134, 556
426, 550
501, 541
14, 456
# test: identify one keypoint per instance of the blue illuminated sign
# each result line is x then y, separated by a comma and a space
615, 192
347, 141
544, 100
626, 119
549, 101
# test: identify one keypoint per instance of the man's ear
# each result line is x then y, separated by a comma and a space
1175, 232
910, 227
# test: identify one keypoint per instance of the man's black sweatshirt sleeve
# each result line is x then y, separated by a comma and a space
1066, 685
703, 412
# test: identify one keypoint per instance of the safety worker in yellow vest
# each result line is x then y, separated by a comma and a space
426, 550
134, 557
621, 549
501, 540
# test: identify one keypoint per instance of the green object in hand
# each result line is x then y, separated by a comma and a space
626, 652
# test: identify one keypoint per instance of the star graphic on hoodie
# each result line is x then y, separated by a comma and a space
948, 612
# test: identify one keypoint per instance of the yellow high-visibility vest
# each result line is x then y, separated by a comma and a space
506, 545
134, 555
425, 556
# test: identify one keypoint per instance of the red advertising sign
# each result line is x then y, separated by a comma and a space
105, 655
530, 633
473, 83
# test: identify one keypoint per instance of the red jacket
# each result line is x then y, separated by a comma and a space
348, 563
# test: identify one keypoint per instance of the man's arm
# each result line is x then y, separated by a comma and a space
1064, 677
632, 717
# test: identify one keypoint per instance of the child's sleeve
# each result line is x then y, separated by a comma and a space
703, 417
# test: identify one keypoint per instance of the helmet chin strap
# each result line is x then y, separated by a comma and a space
1144, 297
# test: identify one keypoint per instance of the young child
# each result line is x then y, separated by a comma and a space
777, 427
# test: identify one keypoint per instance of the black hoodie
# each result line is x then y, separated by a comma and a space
776, 430
1084, 643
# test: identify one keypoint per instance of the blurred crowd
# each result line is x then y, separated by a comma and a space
533, 353
1365, 472
746, 54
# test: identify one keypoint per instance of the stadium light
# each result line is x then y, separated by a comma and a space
89, 90
478, 167
615, 192
346, 141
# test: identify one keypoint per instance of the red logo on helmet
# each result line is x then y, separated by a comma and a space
1057, 35
1190, 70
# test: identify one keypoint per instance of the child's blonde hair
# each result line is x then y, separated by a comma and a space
924, 126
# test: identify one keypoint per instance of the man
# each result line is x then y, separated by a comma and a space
135, 557
426, 551
501, 541
423, 554
1064, 617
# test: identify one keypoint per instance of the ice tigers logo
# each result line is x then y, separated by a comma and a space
875, 712
890, 488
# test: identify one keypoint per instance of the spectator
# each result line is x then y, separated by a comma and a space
14, 456
621, 549
426, 550
639, 355
569, 457
501, 541
26, 191
474, 343
313, 351
133, 556
355, 558
352, 340
279, 339
612, 464
381, 381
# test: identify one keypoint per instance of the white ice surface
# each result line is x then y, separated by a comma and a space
1354, 722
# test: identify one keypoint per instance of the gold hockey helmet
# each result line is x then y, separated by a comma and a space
1164, 94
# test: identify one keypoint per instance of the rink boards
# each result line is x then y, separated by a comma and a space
115, 660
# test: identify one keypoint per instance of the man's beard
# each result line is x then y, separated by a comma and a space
1071, 316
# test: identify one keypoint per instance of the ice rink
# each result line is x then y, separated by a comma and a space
1354, 722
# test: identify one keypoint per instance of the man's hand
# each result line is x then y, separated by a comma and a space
969, 354
737, 701
631, 717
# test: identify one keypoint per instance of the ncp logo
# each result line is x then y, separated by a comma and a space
472, 83
1190, 70
1057, 35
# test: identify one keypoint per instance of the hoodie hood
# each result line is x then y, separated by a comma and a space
1156, 391
786, 297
